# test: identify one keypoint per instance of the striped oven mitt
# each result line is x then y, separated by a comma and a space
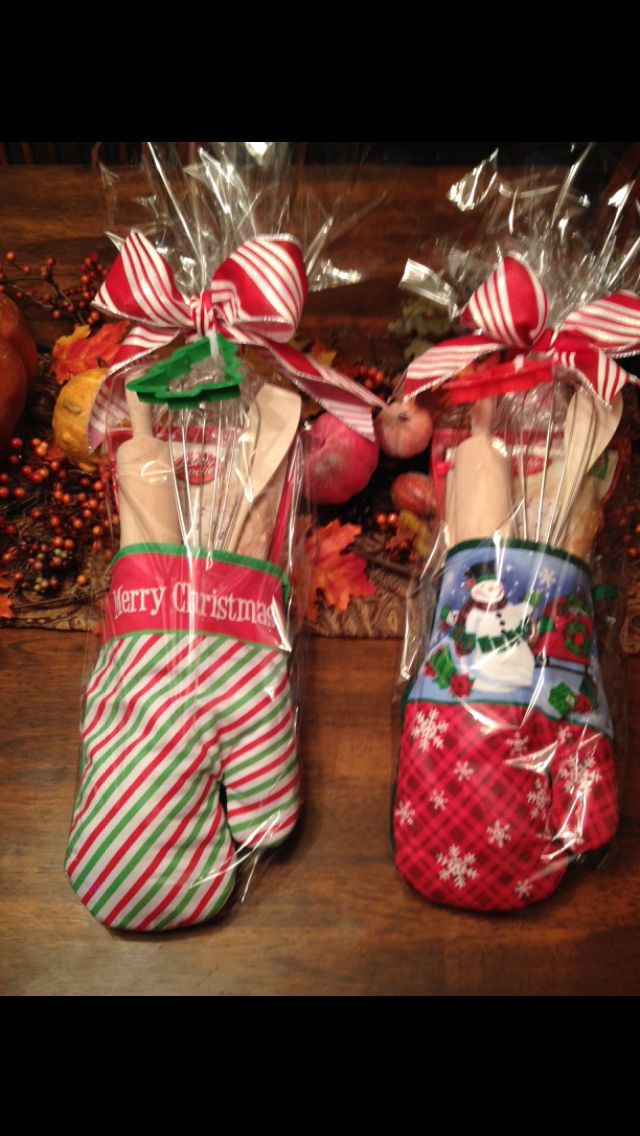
505, 769
188, 738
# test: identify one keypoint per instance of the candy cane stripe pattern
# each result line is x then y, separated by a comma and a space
254, 298
170, 718
272, 279
603, 375
141, 280
510, 307
446, 359
613, 322
509, 312
148, 814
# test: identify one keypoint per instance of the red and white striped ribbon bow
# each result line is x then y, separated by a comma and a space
255, 298
510, 312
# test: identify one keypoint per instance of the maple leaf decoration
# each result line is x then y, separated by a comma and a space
338, 575
79, 352
6, 607
322, 353
318, 350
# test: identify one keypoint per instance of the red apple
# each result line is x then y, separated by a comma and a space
404, 429
339, 462
414, 491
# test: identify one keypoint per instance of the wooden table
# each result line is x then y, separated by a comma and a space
329, 914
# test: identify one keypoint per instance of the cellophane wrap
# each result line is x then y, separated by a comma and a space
189, 765
511, 684
197, 214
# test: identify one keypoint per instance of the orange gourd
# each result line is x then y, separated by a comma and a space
71, 417
13, 391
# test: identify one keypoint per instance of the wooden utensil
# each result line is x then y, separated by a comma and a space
449, 518
481, 498
279, 417
146, 501
255, 538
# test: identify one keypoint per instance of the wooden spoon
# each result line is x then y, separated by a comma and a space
255, 538
279, 417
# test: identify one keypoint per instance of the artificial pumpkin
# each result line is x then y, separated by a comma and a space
13, 390
13, 328
71, 417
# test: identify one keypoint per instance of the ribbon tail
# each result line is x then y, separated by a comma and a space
611, 323
439, 363
345, 399
356, 415
601, 375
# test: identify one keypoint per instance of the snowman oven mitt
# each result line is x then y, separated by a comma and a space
188, 737
505, 769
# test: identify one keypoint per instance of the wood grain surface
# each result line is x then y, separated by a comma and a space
61, 211
328, 914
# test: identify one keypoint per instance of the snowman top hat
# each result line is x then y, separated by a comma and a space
484, 570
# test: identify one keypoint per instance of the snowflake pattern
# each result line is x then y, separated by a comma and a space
463, 770
517, 744
405, 814
457, 867
570, 835
579, 776
439, 800
523, 888
498, 833
564, 734
428, 729
539, 798
547, 577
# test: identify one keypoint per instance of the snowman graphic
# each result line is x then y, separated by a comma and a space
491, 635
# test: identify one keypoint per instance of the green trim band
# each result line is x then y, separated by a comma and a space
530, 545
203, 554
191, 633
516, 706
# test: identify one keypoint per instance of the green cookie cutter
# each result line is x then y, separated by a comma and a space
156, 385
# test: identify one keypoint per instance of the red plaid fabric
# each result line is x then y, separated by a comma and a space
492, 801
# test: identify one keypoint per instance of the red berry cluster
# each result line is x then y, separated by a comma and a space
386, 521
627, 518
72, 303
370, 377
52, 516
